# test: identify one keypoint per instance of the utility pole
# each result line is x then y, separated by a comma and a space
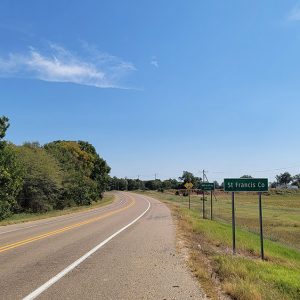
138, 179
203, 204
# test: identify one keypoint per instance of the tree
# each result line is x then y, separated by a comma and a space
173, 183
122, 184
85, 173
284, 178
189, 177
153, 184
246, 176
217, 186
100, 169
273, 184
10, 173
4, 124
296, 180
42, 179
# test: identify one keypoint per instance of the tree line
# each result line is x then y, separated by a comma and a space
124, 184
59, 174
155, 184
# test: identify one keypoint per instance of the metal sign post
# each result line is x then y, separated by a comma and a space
188, 186
261, 228
211, 206
207, 186
233, 222
203, 205
247, 185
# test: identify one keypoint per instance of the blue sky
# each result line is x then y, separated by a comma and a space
157, 86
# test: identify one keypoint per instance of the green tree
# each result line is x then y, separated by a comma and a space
217, 186
153, 184
41, 190
4, 124
284, 178
246, 176
296, 180
170, 184
10, 173
85, 172
133, 184
189, 177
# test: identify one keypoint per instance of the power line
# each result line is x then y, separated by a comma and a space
259, 171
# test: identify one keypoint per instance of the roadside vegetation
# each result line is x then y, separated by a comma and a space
284, 180
26, 217
243, 276
37, 179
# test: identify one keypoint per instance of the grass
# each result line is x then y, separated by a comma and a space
243, 276
281, 212
26, 217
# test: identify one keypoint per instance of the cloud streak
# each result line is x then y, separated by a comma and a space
294, 14
58, 64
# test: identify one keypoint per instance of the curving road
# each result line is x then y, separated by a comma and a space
125, 250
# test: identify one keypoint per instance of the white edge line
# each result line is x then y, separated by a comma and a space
68, 269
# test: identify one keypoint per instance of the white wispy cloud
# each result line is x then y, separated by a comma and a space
154, 62
294, 14
58, 64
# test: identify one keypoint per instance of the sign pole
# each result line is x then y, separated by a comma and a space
188, 186
211, 206
203, 206
233, 223
258, 185
261, 228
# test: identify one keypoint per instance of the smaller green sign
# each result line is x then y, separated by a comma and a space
207, 186
246, 185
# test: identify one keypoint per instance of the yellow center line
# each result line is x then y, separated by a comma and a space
63, 229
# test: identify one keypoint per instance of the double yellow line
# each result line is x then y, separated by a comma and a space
63, 229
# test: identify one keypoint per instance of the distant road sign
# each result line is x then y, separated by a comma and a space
207, 186
188, 185
246, 185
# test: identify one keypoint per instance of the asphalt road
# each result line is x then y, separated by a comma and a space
125, 250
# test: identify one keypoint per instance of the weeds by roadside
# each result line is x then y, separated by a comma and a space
243, 276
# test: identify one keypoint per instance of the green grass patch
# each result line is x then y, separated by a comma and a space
281, 212
27, 217
243, 276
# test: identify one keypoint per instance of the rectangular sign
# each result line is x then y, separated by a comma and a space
207, 186
246, 185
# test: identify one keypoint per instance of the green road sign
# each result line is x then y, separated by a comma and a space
246, 185
207, 186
